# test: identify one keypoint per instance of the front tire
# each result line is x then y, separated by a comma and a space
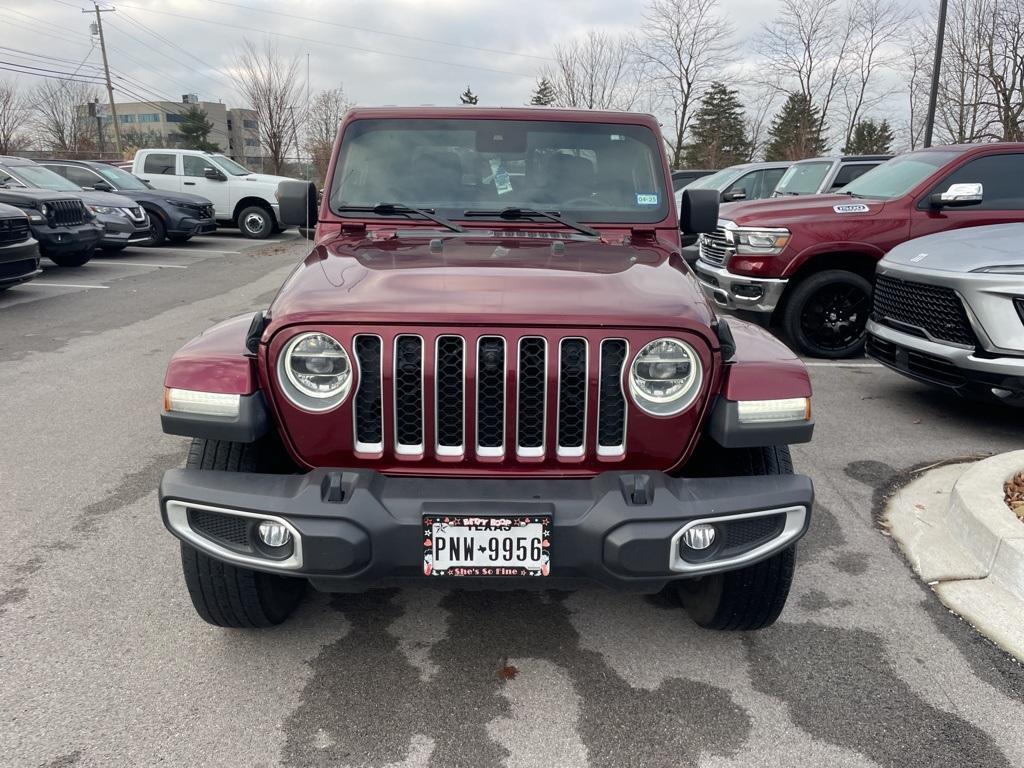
157, 230
827, 314
228, 595
75, 259
748, 598
256, 222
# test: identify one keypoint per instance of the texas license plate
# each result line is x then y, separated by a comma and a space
463, 545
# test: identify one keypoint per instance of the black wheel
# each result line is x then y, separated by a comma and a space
752, 597
157, 230
112, 248
826, 315
228, 595
180, 238
75, 259
256, 222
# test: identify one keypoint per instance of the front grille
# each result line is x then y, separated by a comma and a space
65, 213
918, 364
921, 309
13, 230
201, 210
223, 528
715, 247
490, 397
136, 213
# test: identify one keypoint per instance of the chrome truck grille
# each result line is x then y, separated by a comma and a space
489, 397
715, 248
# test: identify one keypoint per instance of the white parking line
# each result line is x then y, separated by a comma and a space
134, 263
41, 284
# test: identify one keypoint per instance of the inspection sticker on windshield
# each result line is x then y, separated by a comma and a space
851, 208
646, 199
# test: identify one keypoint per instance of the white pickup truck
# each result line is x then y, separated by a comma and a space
240, 197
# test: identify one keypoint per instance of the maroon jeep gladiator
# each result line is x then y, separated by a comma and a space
808, 263
493, 369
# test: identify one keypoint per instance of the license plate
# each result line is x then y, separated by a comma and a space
464, 545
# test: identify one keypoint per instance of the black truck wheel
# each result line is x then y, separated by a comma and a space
256, 222
73, 259
827, 314
228, 595
752, 597
157, 230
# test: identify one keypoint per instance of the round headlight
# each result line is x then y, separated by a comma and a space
665, 377
44, 209
315, 372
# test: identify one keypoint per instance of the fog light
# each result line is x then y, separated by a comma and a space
274, 534
747, 291
700, 536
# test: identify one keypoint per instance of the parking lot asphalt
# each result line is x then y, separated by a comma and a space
104, 663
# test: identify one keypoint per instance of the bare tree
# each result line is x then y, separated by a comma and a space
874, 46
917, 72
962, 114
1002, 65
325, 113
684, 46
59, 115
598, 71
269, 81
15, 113
760, 106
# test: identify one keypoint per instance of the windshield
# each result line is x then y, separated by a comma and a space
41, 178
119, 178
899, 175
230, 166
584, 171
719, 180
803, 179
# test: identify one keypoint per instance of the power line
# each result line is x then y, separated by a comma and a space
51, 76
27, 54
98, 78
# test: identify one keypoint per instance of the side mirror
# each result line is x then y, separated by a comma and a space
297, 203
958, 195
734, 195
698, 211
102, 186
214, 175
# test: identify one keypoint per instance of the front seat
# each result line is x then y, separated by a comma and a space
436, 175
569, 176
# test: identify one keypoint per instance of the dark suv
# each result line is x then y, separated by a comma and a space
67, 231
19, 252
174, 216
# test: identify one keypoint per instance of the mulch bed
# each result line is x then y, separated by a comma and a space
1015, 494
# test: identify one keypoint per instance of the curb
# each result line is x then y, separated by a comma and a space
961, 539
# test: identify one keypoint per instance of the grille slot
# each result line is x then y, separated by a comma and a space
13, 230
921, 309
715, 248
449, 383
368, 411
408, 394
531, 396
611, 404
572, 397
66, 212
222, 528
490, 396
752, 531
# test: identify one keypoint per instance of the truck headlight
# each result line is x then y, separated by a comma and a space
665, 377
315, 372
761, 241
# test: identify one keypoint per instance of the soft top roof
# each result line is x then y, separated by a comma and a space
502, 113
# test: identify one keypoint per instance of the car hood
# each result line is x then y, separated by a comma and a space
484, 280
93, 197
961, 250
161, 196
797, 209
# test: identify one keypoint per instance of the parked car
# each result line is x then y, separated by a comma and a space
748, 181
681, 178
949, 311
819, 175
124, 221
174, 216
19, 251
466, 387
240, 197
807, 263
67, 232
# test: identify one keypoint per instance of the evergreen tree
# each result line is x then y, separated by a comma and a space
543, 94
870, 138
796, 132
195, 129
468, 97
718, 137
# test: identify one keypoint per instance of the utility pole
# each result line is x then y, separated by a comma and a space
933, 94
106, 71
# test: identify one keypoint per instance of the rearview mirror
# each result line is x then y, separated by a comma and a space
734, 195
698, 211
213, 174
102, 186
297, 203
957, 195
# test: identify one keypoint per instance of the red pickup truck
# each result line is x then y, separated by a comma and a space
807, 263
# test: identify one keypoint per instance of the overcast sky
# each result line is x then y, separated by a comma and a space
403, 52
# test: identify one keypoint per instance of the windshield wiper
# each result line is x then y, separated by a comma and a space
530, 213
400, 209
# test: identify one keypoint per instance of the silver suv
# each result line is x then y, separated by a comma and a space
822, 175
949, 311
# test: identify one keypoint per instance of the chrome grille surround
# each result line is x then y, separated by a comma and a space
716, 247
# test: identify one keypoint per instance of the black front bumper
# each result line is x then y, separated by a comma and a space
67, 239
358, 528
182, 223
19, 262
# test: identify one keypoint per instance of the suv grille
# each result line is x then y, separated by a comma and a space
65, 213
530, 396
715, 248
13, 230
921, 310
202, 210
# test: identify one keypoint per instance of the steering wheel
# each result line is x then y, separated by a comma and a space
584, 202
